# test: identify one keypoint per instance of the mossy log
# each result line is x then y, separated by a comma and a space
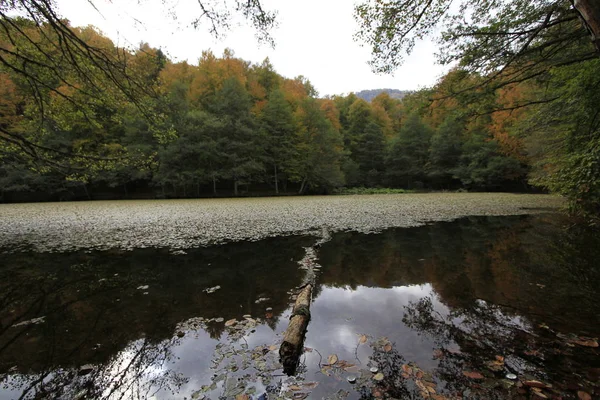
293, 339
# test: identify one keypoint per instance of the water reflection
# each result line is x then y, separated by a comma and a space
432, 303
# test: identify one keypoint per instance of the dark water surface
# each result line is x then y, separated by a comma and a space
442, 311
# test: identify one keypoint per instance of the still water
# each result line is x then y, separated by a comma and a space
442, 311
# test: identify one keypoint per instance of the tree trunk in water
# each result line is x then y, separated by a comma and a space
293, 338
589, 10
235, 187
276, 183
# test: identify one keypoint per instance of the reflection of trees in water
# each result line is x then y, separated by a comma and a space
471, 339
499, 259
393, 384
137, 372
94, 312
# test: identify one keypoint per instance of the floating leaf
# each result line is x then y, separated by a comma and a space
581, 395
230, 322
472, 375
378, 376
387, 348
353, 369
495, 365
273, 347
295, 388
310, 385
332, 359
536, 384
586, 342
242, 397
362, 339
308, 349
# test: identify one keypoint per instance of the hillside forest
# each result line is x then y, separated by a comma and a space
226, 126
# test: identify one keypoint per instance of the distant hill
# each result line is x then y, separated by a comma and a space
369, 95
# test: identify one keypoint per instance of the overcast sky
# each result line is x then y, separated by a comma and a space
314, 39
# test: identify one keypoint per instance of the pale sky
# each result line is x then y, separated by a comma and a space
314, 39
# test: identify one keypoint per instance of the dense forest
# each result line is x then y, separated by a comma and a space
225, 126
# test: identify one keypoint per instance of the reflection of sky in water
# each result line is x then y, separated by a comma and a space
339, 316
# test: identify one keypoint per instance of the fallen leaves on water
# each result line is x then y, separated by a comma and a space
362, 339
387, 348
472, 374
332, 359
310, 385
536, 384
273, 347
295, 388
242, 397
231, 322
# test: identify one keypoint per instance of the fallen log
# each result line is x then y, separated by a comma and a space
293, 339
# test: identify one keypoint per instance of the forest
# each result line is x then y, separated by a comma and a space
151, 127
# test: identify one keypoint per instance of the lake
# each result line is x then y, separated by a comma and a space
437, 296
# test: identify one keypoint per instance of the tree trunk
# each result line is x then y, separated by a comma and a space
86, 191
235, 187
198, 189
302, 186
589, 10
214, 179
276, 180
293, 338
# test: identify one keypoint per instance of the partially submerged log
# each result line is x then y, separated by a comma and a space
293, 339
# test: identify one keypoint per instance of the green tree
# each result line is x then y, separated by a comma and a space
319, 151
279, 129
563, 137
445, 151
408, 153
370, 155
239, 140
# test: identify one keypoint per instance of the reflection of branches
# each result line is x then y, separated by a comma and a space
130, 374
492, 341
393, 384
